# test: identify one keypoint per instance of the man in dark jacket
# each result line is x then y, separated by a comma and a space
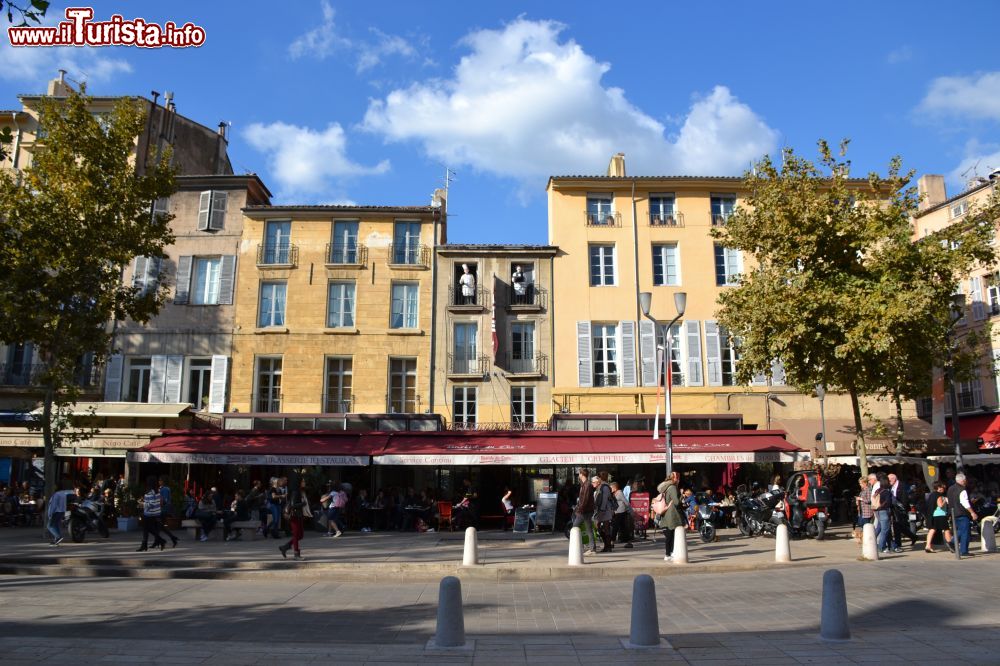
900, 514
583, 514
603, 512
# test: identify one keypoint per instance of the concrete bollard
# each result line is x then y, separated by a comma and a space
782, 548
680, 554
833, 624
450, 617
575, 547
988, 536
471, 555
645, 631
869, 546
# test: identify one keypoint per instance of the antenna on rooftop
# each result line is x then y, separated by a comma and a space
449, 176
974, 180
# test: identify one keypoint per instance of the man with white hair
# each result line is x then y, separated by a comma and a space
958, 503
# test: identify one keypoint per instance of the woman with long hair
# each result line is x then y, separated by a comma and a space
296, 507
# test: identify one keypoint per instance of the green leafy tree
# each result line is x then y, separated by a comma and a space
19, 14
69, 224
837, 288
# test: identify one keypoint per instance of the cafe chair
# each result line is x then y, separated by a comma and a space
444, 516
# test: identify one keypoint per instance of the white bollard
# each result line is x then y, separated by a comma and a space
782, 549
988, 536
833, 623
645, 630
575, 547
450, 616
869, 545
471, 555
680, 554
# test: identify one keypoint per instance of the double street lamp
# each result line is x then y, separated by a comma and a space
680, 302
957, 310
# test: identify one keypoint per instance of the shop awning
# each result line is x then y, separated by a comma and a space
584, 448
141, 410
873, 461
978, 426
972, 459
257, 448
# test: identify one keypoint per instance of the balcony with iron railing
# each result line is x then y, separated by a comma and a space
468, 367
268, 400
608, 219
30, 374
606, 380
346, 254
674, 219
279, 255
410, 255
527, 365
459, 302
496, 426
529, 297
337, 403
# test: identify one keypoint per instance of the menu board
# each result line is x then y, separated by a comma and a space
545, 512
521, 520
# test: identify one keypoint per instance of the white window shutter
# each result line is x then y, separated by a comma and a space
759, 380
713, 353
777, 373
139, 274
152, 279
627, 345
217, 394
693, 333
647, 352
183, 289
227, 279
585, 361
217, 219
204, 210
157, 379
113, 379
978, 308
172, 382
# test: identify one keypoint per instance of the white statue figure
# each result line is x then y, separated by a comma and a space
468, 284
520, 285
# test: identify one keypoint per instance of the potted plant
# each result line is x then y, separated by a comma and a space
127, 506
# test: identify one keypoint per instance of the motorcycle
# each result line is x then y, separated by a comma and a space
87, 515
705, 521
807, 504
759, 515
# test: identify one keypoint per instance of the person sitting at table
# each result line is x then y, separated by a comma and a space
239, 510
207, 515
420, 508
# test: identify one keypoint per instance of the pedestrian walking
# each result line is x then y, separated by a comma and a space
603, 513
55, 512
275, 505
864, 505
881, 503
899, 510
670, 517
621, 522
936, 513
152, 509
335, 501
296, 507
256, 501
583, 514
961, 508
167, 510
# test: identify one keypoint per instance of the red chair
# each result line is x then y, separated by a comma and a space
444, 515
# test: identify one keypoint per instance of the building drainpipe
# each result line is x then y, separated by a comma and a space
552, 337
434, 261
17, 141
635, 263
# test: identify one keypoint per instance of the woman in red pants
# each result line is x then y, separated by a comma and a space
297, 507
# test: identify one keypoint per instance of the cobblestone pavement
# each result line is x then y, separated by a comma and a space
911, 610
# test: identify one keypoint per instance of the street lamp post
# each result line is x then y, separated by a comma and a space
957, 309
821, 394
680, 302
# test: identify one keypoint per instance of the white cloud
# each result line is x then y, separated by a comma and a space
980, 159
524, 104
322, 40
386, 45
973, 97
900, 55
40, 63
306, 162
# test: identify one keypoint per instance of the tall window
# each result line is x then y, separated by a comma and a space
970, 395
212, 210
404, 305
605, 354
522, 405
728, 264
464, 404
402, 385
199, 381
464, 355
722, 208
339, 382
340, 305
522, 347
665, 265
268, 397
207, 272
272, 304
406, 243
661, 209
730, 357
277, 242
139, 371
599, 209
344, 248
676, 358
602, 265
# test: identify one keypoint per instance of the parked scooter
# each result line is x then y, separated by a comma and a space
807, 504
759, 515
705, 521
87, 515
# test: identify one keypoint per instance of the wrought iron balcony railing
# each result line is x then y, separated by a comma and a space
280, 254
493, 426
337, 403
346, 254
409, 254
534, 364
674, 219
529, 295
608, 219
465, 365
479, 297
268, 400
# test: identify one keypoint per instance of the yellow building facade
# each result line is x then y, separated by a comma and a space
334, 309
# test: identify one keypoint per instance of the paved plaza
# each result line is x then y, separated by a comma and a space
729, 606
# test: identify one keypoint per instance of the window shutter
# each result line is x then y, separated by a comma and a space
139, 274
183, 280
978, 308
152, 279
113, 379
713, 353
585, 361
693, 332
627, 343
227, 279
647, 351
759, 380
172, 381
217, 394
157, 379
204, 210
217, 219
777, 373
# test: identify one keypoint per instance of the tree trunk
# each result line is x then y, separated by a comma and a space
899, 420
859, 431
51, 469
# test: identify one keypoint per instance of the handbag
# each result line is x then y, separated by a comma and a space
659, 505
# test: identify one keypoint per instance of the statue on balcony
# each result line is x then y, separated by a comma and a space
468, 284
520, 285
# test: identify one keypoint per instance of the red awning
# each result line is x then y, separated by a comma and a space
583, 448
257, 448
976, 426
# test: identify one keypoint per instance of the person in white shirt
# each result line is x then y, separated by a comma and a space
55, 513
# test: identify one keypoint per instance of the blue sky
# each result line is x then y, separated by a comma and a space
334, 102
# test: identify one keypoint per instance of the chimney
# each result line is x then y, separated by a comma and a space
440, 199
58, 86
616, 168
222, 130
931, 189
